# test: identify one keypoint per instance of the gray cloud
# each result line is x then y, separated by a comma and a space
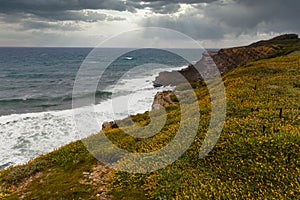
164, 6
217, 19
204, 19
39, 6
42, 11
242, 15
86, 16
41, 14
35, 25
190, 24
72, 10
13, 6
57, 20
164, 9
250, 16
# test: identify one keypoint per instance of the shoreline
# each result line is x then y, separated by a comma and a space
222, 57
258, 148
60, 118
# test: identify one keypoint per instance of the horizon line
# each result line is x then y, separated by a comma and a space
88, 47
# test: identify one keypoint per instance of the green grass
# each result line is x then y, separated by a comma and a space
256, 157
54, 176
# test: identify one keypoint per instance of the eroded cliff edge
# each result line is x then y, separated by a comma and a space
229, 58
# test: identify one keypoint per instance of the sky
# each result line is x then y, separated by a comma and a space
86, 23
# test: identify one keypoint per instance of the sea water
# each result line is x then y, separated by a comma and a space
36, 86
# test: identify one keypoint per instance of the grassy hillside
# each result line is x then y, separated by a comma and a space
256, 157
285, 43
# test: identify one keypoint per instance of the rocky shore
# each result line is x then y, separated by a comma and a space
224, 60
161, 99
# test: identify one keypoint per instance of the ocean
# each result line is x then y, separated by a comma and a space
36, 86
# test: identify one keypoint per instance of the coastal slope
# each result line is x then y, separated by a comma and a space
256, 157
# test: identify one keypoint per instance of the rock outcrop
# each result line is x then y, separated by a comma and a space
107, 125
176, 77
163, 99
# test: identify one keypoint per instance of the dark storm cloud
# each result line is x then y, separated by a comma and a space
36, 14
189, 24
161, 8
72, 9
204, 19
42, 11
54, 20
233, 17
32, 6
246, 16
38, 6
15, 11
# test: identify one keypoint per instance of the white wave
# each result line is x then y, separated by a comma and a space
24, 136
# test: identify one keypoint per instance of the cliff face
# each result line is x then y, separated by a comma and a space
228, 59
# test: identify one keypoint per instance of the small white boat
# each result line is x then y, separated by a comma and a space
128, 58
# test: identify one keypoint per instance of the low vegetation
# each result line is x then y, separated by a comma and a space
256, 157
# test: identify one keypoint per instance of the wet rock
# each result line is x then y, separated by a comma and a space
111, 124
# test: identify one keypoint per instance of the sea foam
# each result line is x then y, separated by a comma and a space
25, 136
